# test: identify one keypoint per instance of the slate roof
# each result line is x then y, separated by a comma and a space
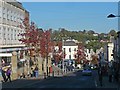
17, 4
69, 43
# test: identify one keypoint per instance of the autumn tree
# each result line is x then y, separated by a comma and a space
58, 54
46, 46
80, 56
31, 38
94, 59
113, 33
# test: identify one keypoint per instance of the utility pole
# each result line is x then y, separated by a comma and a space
47, 52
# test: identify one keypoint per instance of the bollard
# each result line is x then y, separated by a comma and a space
62, 72
44, 75
53, 73
58, 72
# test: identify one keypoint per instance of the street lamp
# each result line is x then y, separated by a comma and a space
112, 16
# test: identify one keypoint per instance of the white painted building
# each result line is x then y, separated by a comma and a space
70, 48
108, 52
117, 48
12, 15
95, 34
88, 54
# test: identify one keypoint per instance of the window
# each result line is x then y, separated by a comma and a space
8, 37
4, 36
64, 49
11, 36
74, 49
3, 12
89, 50
7, 14
8, 30
11, 16
69, 49
4, 29
7, 17
69, 56
15, 36
0, 35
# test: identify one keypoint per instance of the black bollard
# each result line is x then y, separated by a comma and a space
44, 75
53, 73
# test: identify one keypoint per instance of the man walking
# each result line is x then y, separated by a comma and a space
110, 73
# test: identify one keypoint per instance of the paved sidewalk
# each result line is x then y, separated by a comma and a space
19, 83
107, 84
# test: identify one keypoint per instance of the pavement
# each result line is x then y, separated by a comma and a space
61, 78
20, 83
106, 83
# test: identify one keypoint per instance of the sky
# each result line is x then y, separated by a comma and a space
74, 16
67, 0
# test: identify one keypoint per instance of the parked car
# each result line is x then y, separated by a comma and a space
86, 72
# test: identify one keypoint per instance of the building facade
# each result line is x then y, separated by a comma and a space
70, 49
108, 52
12, 15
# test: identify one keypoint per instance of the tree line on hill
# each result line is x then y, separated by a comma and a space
90, 39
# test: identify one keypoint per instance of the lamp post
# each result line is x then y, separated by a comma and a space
113, 16
63, 55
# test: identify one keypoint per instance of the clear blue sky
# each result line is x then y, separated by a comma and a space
74, 16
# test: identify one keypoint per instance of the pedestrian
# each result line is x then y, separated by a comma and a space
32, 72
116, 73
36, 71
110, 74
50, 70
3, 75
8, 73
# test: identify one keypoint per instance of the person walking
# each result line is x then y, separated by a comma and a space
101, 77
116, 73
8, 73
32, 72
36, 71
110, 73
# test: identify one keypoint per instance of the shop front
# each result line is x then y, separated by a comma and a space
5, 62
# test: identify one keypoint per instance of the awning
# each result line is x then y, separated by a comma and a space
5, 54
22, 60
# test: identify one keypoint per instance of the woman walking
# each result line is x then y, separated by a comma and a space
8, 73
